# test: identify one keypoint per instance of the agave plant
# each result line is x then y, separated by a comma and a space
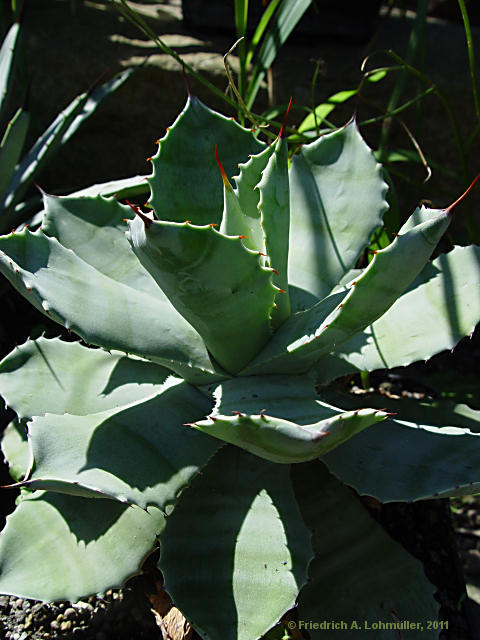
17, 171
219, 308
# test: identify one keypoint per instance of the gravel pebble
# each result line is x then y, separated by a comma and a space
119, 615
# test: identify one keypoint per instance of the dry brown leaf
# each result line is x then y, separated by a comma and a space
171, 621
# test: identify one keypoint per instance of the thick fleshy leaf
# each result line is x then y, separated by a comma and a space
274, 207
11, 146
286, 442
123, 188
239, 543
139, 454
15, 449
426, 451
57, 134
62, 285
336, 319
234, 222
445, 296
249, 196
7, 53
95, 97
213, 281
94, 228
53, 376
185, 183
337, 200
59, 547
309, 429
360, 580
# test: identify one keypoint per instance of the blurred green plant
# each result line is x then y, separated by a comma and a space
255, 57
18, 170
406, 69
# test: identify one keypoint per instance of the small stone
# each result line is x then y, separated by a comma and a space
18, 603
36, 608
3, 602
59, 617
69, 613
28, 621
54, 625
26, 605
66, 625
19, 614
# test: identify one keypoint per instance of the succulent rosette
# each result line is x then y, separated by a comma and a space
219, 309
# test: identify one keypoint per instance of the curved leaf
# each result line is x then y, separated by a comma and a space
7, 53
15, 449
58, 547
425, 452
53, 376
11, 146
292, 426
249, 197
123, 188
213, 281
61, 285
337, 200
240, 543
274, 207
186, 183
94, 229
380, 586
367, 298
444, 297
57, 134
139, 454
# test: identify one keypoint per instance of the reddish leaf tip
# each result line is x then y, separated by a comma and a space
146, 221
187, 83
282, 130
449, 210
222, 170
241, 237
